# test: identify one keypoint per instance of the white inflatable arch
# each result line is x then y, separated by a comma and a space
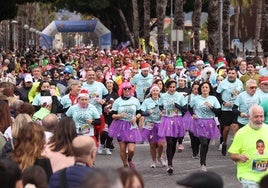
104, 34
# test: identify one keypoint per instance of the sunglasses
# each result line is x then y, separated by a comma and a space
208, 72
253, 87
127, 88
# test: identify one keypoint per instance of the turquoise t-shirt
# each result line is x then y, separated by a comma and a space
96, 91
129, 107
264, 105
263, 71
150, 104
66, 101
245, 142
229, 91
262, 95
80, 115
168, 102
244, 101
201, 110
141, 83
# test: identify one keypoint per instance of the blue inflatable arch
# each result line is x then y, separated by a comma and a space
104, 34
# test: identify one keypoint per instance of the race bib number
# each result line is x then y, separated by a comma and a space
259, 165
148, 125
86, 130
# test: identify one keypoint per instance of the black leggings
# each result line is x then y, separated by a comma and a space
203, 142
171, 149
105, 139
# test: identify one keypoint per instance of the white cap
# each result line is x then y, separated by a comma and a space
28, 78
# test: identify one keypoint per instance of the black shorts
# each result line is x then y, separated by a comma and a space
227, 118
240, 125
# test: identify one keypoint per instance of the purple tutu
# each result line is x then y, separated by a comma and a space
171, 127
122, 131
152, 135
188, 120
205, 128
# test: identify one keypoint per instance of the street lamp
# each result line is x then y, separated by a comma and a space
220, 25
14, 37
38, 33
26, 28
31, 41
171, 25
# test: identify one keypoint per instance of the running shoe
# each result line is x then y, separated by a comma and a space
131, 165
170, 170
162, 161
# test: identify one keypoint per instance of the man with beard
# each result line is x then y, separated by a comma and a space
227, 92
251, 166
142, 81
26, 87
68, 79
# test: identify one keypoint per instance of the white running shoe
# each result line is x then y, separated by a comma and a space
220, 147
153, 165
108, 151
162, 161
100, 149
203, 168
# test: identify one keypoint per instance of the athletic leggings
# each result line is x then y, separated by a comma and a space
106, 140
171, 149
202, 144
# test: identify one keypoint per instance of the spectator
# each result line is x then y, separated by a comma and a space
59, 148
10, 174
49, 122
34, 176
29, 146
102, 178
26, 108
264, 182
130, 178
84, 149
12, 132
202, 180
5, 120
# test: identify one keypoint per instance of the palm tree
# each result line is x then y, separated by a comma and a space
226, 25
160, 12
264, 26
136, 25
259, 10
196, 21
213, 22
238, 5
179, 19
146, 23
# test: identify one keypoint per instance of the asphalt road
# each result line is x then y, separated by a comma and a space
183, 165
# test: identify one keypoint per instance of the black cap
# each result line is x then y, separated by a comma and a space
202, 180
45, 73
